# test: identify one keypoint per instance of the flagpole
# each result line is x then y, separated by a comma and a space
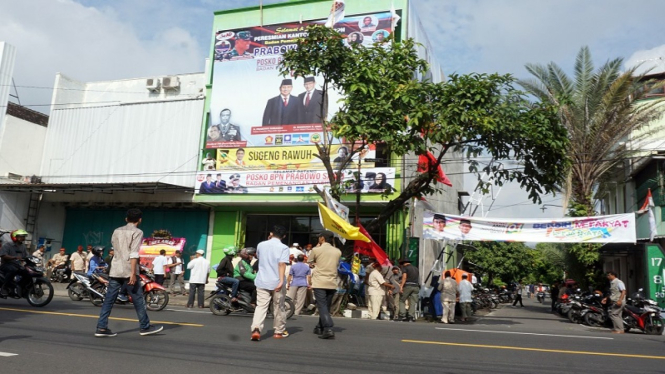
358, 179
261, 12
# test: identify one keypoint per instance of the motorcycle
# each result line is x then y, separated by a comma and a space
77, 289
221, 304
643, 314
38, 291
61, 273
156, 296
540, 296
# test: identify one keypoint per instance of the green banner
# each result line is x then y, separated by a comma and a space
412, 251
655, 265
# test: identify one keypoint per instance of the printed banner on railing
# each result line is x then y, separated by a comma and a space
373, 180
150, 248
619, 228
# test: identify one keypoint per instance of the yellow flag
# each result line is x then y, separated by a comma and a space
336, 224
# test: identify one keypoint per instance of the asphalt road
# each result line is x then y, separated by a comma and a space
59, 339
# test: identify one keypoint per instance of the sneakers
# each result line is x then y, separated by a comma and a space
256, 335
284, 334
152, 329
318, 330
122, 298
103, 333
328, 334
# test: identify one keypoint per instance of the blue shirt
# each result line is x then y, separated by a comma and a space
270, 253
299, 272
95, 262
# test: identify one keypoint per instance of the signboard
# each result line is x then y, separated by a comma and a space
290, 181
150, 248
655, 266
413, 251
284, 157
619, 228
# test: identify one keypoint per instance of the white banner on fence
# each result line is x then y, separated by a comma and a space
619, 228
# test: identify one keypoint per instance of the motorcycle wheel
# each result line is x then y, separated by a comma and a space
593, 319
96, 300
290, 307
156, 300
654, 326
572, 316
41, 293
220, 305
75, 292
495, 304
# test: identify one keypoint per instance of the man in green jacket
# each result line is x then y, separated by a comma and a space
245, 273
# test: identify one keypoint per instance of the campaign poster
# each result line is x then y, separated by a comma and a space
618, 228
370, 180
150, 248
252, 105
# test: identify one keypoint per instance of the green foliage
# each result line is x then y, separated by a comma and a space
503, 260
386, 102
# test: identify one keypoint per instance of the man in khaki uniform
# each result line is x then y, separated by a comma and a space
78, 260
449, 294
325, 261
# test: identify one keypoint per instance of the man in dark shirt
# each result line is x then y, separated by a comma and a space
409, 289
11, 255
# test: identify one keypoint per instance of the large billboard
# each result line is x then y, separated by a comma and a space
262, 123
372, 180
253, 106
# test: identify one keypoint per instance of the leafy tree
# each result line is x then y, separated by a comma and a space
384, 102
505, 261
599, 110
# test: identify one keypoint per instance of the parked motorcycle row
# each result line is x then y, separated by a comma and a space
640, 313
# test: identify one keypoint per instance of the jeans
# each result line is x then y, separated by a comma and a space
409, 293
135, 291
230, 282
324, 299
196, 289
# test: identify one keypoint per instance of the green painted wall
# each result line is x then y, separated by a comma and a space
95, 227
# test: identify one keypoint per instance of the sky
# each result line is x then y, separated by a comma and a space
93, 40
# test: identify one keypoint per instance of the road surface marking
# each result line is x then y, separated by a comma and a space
535, 349
187, 311
526, 333
5, 354
96, 316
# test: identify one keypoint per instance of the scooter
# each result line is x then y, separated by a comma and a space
221, 304
79, 287
38, 290
61, 273
643, 314
156, 296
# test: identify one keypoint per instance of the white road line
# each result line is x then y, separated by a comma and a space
5, 354
526, 333
189, 311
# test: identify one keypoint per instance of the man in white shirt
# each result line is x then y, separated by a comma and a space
198, 277
465, 288
273, 256
158, 267
175, 264
39, 253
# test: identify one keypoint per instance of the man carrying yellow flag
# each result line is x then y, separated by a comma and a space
331, 221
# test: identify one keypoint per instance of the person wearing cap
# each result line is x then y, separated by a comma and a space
409, 288
208, 186
176, 275
235, 186
449, 295
39, 253
438, 227
220, 184
198, 277
310, 103
270, 283
242, 43
395, 278
124, 273
283, 108
245, 273
324, 258
209, 163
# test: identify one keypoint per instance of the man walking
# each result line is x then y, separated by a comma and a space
298, 282
324, 258
617, 301
518, 294
273, 255
409, 290
465, 288
124, 273
198, 277
448, 288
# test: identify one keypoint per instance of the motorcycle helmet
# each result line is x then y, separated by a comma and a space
251, 251
230, 250
17, 233
98, 250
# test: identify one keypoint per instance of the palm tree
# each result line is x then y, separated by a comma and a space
600, 110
